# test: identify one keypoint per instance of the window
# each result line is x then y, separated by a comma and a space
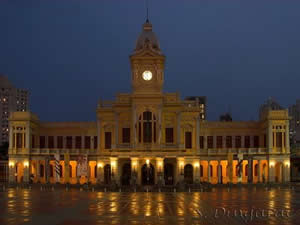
169, 135
247, 141
33, 141
51, 170
42, 170
210, 141
78, 142
69, 142
256, 141
278, 139
188, 139
50, 142
60, 142
219, 141
42, 142
87, 142
107, 140
147, 127
95, 142
238, 141
228, 142
265, 140
201, 142
126, 135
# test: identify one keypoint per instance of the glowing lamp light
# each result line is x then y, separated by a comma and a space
272, 163
287, 163
113, 164
11, 163
147, 161
26, 164
100, 165
196, 165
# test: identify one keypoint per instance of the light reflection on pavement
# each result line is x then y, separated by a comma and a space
222, 206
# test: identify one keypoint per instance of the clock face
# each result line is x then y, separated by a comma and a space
147, 75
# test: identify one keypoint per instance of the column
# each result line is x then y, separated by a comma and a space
67, 167
250, 169
208, 172
287, 171
23, 138
100, 172
197, 171
258, 172
10, 136
180, 170
15, 140
11, 172
271, 171
116, 129
26, 171
219, 172
275, 140
197, 133
98, 134
270, 136
37, 170
287, 137
178, 128
160, 170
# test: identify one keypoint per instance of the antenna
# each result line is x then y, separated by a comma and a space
147, 8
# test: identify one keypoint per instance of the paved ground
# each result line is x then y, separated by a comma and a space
74, 207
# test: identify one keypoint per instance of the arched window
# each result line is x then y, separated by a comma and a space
51, 170
201, 171
256, 170
42, 170
70, 171
147, 127
60, 170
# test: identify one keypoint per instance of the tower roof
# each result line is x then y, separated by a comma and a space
147, 36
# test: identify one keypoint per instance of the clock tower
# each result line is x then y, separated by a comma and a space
147, 63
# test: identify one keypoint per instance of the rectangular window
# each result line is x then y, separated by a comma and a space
219, 141
42, 141
69, 142
33, 141
210, 141
87, 142
247, 141
78, 142
126, 135
60, 142
50, 142
201, 142
228, 142
95, 142
256, 142
169, 135
188, 139
279, 139
107, 140
238, 141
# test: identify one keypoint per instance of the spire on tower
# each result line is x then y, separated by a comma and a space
147, 13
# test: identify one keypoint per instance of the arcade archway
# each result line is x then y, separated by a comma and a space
148, 174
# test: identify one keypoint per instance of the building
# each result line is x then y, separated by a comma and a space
11, 100
149, 137
294, 113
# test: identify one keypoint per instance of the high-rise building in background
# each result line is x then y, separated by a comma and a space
294, 113
12, 99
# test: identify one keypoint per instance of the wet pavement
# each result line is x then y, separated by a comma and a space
221, 206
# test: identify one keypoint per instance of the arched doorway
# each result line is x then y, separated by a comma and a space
264, 173
278, 172
126, 174
169, 174
148, 174
107, 174
188, 174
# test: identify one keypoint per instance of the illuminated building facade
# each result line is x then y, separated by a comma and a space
148, 137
